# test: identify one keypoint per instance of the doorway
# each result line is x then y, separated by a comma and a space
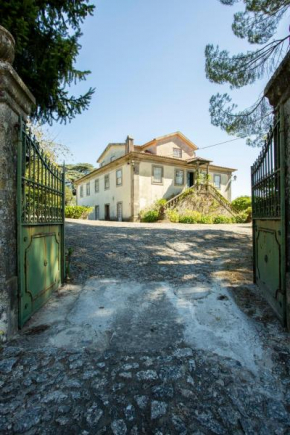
107, 212
190, 178
97, 212
119, 211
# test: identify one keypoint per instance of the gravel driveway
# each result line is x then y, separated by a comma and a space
160, 331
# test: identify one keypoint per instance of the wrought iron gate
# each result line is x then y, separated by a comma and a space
40, 190
268, 201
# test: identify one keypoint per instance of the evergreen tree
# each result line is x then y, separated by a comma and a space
47, 37
258, 24
74, 172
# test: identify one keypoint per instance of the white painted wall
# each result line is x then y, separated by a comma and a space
114, 151
226, 185
111, 196
165, 148
149, 193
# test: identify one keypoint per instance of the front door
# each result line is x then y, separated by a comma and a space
119, 212
190, 179
97, 212
107, 212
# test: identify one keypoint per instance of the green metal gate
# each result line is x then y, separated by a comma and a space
40, 201
268, 201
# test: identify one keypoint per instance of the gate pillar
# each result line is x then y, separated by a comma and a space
15, 101
278, 93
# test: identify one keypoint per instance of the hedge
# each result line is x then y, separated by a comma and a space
77, 211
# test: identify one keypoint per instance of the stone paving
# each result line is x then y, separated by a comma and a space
160, 331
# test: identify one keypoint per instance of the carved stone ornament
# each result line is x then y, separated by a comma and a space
7, 44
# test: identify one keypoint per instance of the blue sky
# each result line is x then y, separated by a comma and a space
147, 63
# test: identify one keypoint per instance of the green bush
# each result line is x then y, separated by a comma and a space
242, 203
206, 219
189, 217
77, 211
154, 213
172, 215
160, 203
221, 219
149, 216
248, 211
241, 218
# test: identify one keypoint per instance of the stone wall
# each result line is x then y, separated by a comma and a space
15, 101
204, 203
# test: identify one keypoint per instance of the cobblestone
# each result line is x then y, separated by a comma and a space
150, 378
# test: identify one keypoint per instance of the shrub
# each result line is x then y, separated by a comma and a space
242, 203
154, 213
172, 215
248, 211
206, 219
241, 218
190, 217
221, 219
77, 211
149, 215
160, 203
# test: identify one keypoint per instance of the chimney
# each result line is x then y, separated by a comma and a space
129, 145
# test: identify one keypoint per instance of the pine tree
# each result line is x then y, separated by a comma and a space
258, 24
47, 37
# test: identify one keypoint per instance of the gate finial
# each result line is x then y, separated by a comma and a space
7, 46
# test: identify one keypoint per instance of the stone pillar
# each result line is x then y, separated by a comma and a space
15, 101
278, 93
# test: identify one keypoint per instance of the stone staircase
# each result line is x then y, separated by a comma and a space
202, 189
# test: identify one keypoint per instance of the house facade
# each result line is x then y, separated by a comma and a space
132, 177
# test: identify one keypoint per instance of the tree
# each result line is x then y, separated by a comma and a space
258, 24
74, 172
68, 196
55, 151
242, 203
47, 37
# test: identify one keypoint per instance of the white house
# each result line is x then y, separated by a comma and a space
132, 177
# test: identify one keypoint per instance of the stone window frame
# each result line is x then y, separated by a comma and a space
220, 182
121, 177
183, 178
179, 156
81, 191
162, 174
97, 185
107, 178
88, 188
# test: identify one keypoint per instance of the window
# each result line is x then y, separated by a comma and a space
157, 174
107, 182
102, 164
217, 181
179, 177
177, 152
88, 189
81, 191
119, 177
97, 185
112, 158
